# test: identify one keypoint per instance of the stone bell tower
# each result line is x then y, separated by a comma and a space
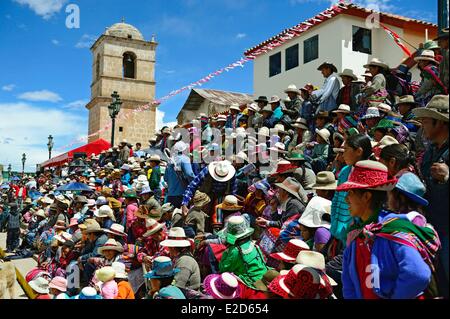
124, 62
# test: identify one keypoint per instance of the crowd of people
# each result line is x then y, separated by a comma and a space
347, 198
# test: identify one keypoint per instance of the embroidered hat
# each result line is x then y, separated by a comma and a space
222, 286
291, 250
368, 175
162, 267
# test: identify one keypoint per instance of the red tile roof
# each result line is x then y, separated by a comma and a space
341, 8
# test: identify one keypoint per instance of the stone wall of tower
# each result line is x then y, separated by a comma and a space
135, 92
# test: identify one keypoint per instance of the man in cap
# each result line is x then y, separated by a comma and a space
435, 169
444, 65
232, 118
96, 238
80, 206
178, 174
217, 180
148, 198
289, 197
138, 152
124, 152
348, 93
13, 228
293, 108
276, 108
254, 119
327, 95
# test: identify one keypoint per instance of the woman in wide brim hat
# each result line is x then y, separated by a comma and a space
387, 231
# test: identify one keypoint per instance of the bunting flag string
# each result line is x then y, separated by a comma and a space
288, 35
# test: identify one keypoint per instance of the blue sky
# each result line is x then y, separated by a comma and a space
46, 69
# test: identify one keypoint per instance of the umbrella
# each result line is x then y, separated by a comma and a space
15, 178
72, 187
4, 186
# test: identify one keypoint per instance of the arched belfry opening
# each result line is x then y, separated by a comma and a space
129, 65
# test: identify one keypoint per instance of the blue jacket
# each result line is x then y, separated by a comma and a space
403, 274
278, 113
126, 178
328, 94
175, 186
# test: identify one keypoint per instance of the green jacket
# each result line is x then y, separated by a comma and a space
249, 265
155, 178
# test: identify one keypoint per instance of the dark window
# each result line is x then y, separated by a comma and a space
129, 65
362, 40
97, 67
275, 64
311, 49
120, 129
292, 57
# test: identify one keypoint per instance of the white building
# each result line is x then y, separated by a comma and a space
342, 38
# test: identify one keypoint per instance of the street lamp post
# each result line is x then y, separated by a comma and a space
9, 172
114, 109
50, 146
24, 158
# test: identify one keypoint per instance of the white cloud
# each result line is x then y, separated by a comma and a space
42, 96
169, 71
55, 42
376, 5
43, 8
9, 87
79, 104
26, 128
86, 41
241, 35
160, 120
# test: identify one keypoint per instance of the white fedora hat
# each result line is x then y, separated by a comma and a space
177, 238
119, 268
349, 73
221, 171
426, 55
274, 99
377, 62
325, 134
152, 227
308, 258
40, 285
235, 106
437, 108
292, 89
343, 108
111, 244
103, 211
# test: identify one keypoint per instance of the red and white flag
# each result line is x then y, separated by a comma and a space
396, 38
